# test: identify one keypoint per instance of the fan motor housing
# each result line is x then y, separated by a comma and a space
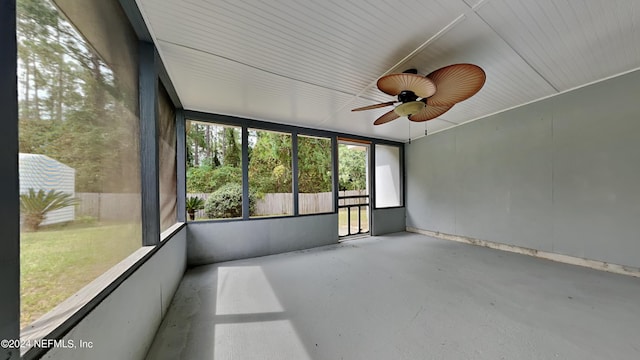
407, 96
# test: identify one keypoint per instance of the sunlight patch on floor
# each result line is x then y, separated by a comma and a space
245, 290
250, 319
271, 339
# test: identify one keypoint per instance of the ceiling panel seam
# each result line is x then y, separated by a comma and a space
256, 67
541, 98
526, 61
292, 33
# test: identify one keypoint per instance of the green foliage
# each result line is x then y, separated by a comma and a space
205, 179
213, 145
226, 202
199, 179
314, 164
195, 141
232, 151
34, 206
73, 108
215, 158
353, 168
226, 174
193, 204
270, 163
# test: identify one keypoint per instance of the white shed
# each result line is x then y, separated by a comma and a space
42, 172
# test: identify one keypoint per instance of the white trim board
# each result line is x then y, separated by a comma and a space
567, 259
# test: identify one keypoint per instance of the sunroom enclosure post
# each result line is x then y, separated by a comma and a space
149, 130
181, 166
9, 187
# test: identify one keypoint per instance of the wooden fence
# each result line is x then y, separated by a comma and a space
119, 207
282, 203
109, 206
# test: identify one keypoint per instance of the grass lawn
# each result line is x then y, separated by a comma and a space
56, 263
342, 220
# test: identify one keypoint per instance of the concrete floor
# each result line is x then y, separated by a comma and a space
404, 296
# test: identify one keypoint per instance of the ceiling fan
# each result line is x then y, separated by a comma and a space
424, 98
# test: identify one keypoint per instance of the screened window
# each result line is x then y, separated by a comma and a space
79, 166
270, 174
388, 176
314, 175
214, 171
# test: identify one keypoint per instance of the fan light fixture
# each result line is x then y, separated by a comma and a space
409, 108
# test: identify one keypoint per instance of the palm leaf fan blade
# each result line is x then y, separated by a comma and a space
456, 83
374, 106
386, 117
429, 112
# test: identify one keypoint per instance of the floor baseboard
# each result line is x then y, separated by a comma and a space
567, 259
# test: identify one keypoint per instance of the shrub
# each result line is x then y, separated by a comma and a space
34, 206
226, 202
193, 204
226, 174
205, 179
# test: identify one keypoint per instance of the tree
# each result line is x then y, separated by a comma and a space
270, 163
353, 168
314, 164
232, 151
71, 107
34, 206
195, 142
52, 58
213, 145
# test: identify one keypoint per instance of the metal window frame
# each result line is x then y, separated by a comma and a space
152, 70
402, 176
371, 186
335, 179
149, 130
133, 14
181, 166
245, 173
294, 173
294, 131
9, 186
271, 126
294, 178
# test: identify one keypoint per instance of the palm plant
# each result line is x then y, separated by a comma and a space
34, 206
193, 204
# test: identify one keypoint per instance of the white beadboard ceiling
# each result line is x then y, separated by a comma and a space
308, 63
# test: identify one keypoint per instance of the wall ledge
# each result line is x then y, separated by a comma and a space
572, 260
